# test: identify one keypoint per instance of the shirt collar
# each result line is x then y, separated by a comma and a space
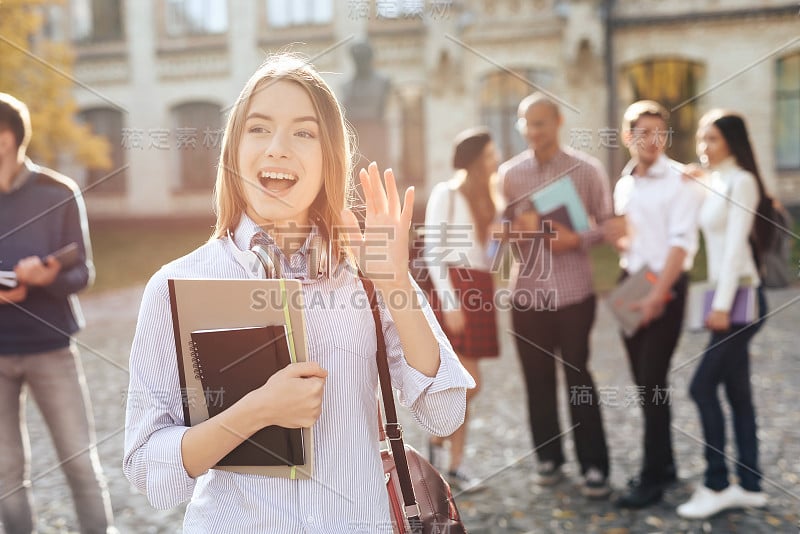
558, 156
658, 169
294, 266
244, 232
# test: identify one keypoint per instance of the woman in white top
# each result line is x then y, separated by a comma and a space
734, 236
283, 180
458, 227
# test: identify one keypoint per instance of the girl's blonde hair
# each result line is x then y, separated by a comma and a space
335, 139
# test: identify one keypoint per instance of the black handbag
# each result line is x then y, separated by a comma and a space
419, 497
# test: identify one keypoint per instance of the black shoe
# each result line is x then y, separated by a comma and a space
640, 496
667, 479
595, 484
548, 473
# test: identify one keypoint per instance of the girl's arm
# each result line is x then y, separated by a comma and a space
742, 204
154, 424
424, 367
291, 398
382, 254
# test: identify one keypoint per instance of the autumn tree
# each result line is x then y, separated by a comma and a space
37, 71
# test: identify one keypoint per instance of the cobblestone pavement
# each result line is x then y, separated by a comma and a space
499, 447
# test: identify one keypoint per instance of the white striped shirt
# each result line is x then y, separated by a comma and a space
347, 492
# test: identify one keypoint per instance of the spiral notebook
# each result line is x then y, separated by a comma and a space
232, 362
213, 305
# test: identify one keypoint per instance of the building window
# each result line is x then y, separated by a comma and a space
106, 122
674, 84
196, 17
501, 93
198, 138
787, 113
95, 21
285, 13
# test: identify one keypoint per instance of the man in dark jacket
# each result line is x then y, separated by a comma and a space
42, 211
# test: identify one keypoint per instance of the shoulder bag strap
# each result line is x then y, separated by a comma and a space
393, 430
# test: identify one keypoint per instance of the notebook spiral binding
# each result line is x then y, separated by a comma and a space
196, 365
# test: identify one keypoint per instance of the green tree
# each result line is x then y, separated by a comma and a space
36, 71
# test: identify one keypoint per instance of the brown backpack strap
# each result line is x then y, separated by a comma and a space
393, 430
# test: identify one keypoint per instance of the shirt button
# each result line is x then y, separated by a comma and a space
310, 519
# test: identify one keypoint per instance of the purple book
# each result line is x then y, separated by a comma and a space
743, 309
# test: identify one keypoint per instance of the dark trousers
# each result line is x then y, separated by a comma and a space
650, 352
538, 335
726, 361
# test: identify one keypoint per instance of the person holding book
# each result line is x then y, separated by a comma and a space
734, 238
458, 222
553, 295
661, 210
283, 183
41, 212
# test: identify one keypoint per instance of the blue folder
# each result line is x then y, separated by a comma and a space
562, 192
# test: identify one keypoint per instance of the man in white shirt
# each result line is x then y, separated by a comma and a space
661, 210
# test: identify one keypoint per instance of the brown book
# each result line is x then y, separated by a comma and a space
232, 362
213, 304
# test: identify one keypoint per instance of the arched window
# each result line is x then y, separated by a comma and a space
107, 122
197, 137
787, 112
673, 83
501, 93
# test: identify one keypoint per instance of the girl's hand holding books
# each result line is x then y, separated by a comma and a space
293, 396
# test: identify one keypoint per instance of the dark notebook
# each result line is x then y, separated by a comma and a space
232, 362
559, 215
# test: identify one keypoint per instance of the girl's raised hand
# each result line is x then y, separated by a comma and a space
382, 250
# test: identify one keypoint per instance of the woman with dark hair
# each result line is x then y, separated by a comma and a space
458, 221
734, 237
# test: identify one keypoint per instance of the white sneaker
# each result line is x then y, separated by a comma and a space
747, 499
706, 502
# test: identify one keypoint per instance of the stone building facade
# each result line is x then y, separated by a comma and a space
157, 76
